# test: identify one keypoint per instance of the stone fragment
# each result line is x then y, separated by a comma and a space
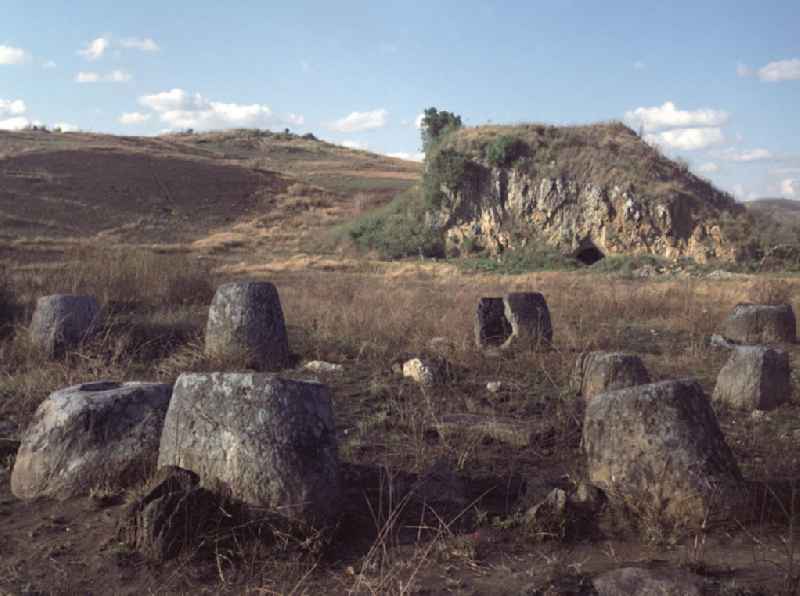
658, 450
529, 317
760, 324
268, 442
494, 386
90, 436
492, 328
755, 378
320, 366
425, 371
245, 320
599, 372
171, 515
61, 322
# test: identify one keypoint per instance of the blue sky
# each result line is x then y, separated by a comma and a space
717, 83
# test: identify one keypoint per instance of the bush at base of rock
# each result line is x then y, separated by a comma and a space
265, 441
657, 450
246, 321
61, 322
95, 435
755, 378
599, 372
760, 324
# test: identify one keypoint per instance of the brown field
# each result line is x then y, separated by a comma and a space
140, 224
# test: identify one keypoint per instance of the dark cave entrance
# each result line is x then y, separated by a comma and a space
589, 254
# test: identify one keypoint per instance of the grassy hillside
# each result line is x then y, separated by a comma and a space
236, 191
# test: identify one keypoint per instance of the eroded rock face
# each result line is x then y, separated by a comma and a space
95, 435
755, 378
658, 450
61, 322
245, 320
599, 372
761, 324
265, 441
575, 217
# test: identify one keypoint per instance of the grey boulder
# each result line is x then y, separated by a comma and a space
658, 451
755, 378
246, 321
61, 322
267, 442
94, 435
599, 372
760, 324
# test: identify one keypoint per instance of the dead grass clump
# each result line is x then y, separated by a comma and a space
770, 291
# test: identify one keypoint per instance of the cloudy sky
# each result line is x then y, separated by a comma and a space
717, 83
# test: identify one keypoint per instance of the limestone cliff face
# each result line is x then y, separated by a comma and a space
499, 208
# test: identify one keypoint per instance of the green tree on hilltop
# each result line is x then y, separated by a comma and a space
436, 124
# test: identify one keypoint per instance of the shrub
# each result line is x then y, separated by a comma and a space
518, 261
398, 230
505, 150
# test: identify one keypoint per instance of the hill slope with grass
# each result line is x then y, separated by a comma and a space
235, 190
588, 191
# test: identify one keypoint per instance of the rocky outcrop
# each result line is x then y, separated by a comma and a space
587, 214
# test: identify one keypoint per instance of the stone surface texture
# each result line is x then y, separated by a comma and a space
658, 450
94, 435
599, 372
263, 440
760, 324
61, 322
755, 378
246, 320
170, 516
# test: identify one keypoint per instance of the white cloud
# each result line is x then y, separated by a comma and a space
418, 121
781, 70
687, 139
12, 55
49, 64
17, 123
66, 127
12, 107
708, 168
639, 65
133, 118
743, 70
145, 44
354, 144
668, 116
748, 155
407, 156
359, 121
87, 77
181, 110
95, 48
115, 76
295, 119
790, 188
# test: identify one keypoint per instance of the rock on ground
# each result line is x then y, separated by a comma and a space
320, 366
425, 371
266, 441
529, 318
519, 318
246, 320
760, 324
599, 372
658, 451
755, 378
172, 514
61, 322
95, 435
